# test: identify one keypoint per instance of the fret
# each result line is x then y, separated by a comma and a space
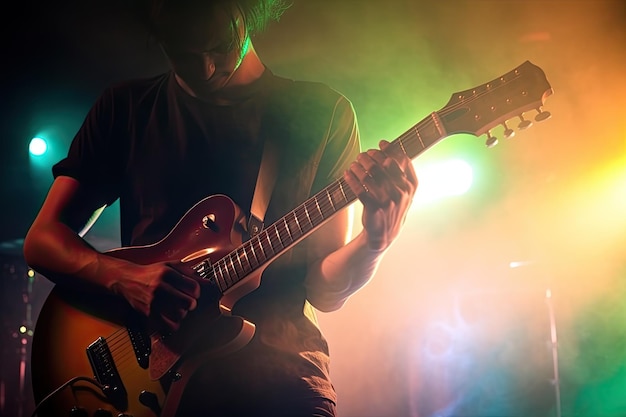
233, 257
342, 191
338, 196
419, 137
232, 268
316, 212
238, 265
294, 227
295, 218
330, 199
286, 227
256, 258
269, 243
280, 240
301, 214
425, 134
326, 210
218, 280
402, 146
308, 216
229, 274
319, 209
225, 279
258, 250
246, 267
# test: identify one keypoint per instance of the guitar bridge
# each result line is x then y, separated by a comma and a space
105, 372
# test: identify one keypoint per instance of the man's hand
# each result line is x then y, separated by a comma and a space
159, 292
385, 181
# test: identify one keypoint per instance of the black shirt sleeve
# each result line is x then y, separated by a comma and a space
93, 158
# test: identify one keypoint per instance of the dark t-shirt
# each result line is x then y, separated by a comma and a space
159, 151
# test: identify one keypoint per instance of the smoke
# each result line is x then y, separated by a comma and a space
447, 326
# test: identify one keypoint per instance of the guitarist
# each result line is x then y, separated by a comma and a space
161, 144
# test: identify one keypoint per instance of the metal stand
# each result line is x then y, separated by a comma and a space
555, 352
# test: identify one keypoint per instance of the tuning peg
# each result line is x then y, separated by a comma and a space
542, 115
508, 132
491, 140
524, 124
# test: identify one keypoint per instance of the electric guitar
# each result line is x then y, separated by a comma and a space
93, 356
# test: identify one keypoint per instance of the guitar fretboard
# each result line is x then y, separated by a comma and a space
308, 216
474, 111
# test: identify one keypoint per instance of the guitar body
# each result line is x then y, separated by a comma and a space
150, 371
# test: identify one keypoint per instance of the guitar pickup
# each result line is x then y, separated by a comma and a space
139, 340
105, 372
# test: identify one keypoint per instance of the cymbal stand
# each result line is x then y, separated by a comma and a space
555, 352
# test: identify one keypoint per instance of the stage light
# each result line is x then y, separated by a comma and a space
444, 179
37, 146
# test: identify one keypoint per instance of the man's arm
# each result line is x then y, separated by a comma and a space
385, 182
54, 248
333, 277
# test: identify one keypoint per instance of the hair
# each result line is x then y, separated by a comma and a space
257, 14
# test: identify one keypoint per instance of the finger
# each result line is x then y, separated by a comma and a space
186, 301
395, 150
167, 325
174, 314
380, 168
372, 172
169, 314
404, 163
394, 171
403, 174
361, 190
381, 178
163, 320
364, 167
384, 144
372, 162
167, 297
190, 287
183, 282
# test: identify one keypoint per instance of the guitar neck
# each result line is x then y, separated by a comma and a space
474, 111
290, 229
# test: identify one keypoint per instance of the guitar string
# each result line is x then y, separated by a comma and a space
312, 213
119, 342
231, 273
121, 352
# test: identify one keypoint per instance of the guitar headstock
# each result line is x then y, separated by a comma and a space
477, 110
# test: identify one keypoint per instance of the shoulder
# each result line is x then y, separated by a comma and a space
309, 99
125, 97
138, 87
308, 91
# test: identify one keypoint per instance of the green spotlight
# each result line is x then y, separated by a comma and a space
37, 146
444, 179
